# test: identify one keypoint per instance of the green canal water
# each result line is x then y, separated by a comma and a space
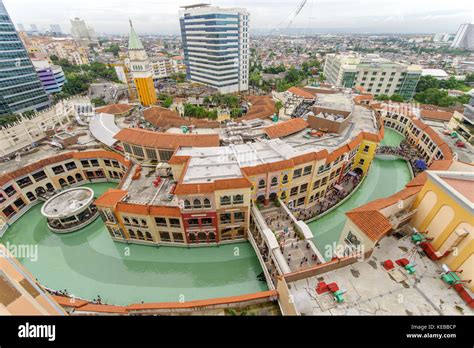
88, 263
385, 178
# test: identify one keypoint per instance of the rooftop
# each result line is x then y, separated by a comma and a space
371, 290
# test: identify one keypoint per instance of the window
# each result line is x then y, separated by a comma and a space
197, 204
178, 237
151, 154
316, 184
38, 176
207, 203
261, 184
175, 223
239, 217
225, 218
285, 179
85, 163
24, 182
361, 161
70, 165
238, 199
225, 200
187, 204
274, 181
294, 191
138, 151
193, 222
160, 221
307, 170
303, 188
352, 239
165, 236
206, 221
107, 162
297, 173
300, 201
58, 169
94, 163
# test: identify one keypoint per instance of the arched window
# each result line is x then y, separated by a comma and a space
225, 200
238, 199
140, 235
70, 180
39, 190
187, 204
207, 203
62, 182
283, 195
143, 222
135, 221
197, 204
31, 196
49, 187
132, 234
261, 184
79, 177
126, 220
285, 179
148, 236
274, 181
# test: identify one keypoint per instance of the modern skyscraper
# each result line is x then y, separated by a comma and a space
141, 70
80, 31
20, 88
216, 46
464, 37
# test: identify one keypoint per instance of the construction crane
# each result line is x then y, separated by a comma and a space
292, 15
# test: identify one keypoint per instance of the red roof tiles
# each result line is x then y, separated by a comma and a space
286, 128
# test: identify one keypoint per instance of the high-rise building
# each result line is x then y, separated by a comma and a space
80, 31
20, 88
464, 37
376, 75
141, 70
216, 46
56, 29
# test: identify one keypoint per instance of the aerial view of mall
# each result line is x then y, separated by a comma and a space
236, 158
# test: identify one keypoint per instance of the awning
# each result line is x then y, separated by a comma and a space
103, 128
352, 174
339, 187
420, 164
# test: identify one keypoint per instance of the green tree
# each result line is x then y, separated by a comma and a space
98, 102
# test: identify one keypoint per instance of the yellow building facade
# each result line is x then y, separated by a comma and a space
444, 211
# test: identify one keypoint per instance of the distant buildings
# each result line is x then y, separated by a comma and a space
80, 31
376, 75
439, 74
141, 70
216, 46
56, 29
21, 89
51, 76
464, 37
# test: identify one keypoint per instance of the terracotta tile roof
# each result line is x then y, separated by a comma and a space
280, 165
371, 222
202, 303
69, 302
419, 180
441, 165
355, 142
138, 209
147, 138
262, 107
110, 198
301, 93
178, 159
382, 203
255, 170
373, 137
217, 185
438, 115
304, 158
433, 136
100, 308
363, 97
165, 118
447, 152
165, 211
33, 167
420, 124
115, 109
286, 128
336, 153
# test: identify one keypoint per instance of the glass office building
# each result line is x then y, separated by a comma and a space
20, 88
216, 46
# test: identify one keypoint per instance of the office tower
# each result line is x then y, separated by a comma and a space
464, 37
80, 31
20, 90
56, 29
216, 46
376, 75
141, 70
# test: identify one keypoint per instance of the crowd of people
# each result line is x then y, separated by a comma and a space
405, 150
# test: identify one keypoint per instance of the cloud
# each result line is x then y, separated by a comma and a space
161, 16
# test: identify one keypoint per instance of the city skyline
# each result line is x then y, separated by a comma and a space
111, 16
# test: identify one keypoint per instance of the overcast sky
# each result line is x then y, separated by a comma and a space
161, 16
